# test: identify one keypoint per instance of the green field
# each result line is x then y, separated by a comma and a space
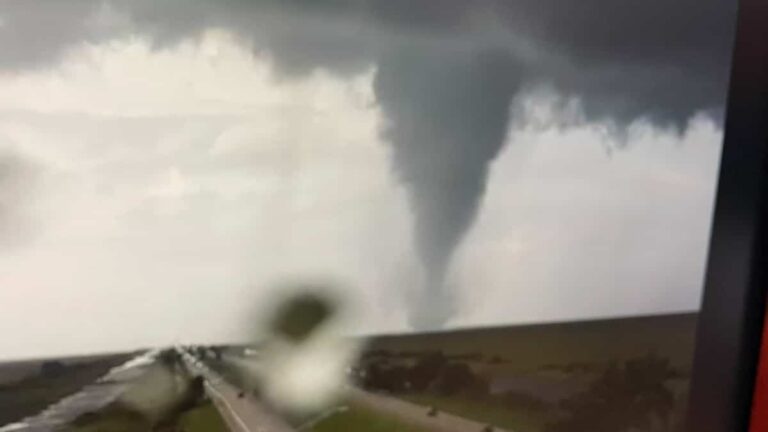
363, 420
509, 417
204, 418
167, 397
533, 378
110, 419
564, 377
533, 347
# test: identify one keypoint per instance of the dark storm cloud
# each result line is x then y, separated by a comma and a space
664, 60
446, 73
653, 58
37, 33
624, 60
299, 35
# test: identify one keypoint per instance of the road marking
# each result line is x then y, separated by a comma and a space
221, 397
321, 417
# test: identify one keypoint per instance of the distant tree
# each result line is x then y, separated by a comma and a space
197, 389
169, 358
496, 360
458, 378
524, 400
371, 377
52, 369
627, 397
399, 378
191, 397
427, 369
199, 352
383, 376
379, 353
469, 356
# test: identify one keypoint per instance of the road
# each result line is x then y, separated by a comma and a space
416, 415
242, 414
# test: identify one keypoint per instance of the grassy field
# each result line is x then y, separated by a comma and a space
110, 419
14, 371
204, 418
490, 412
34, 393
539, 378
518, 377
533, 347
165, 397
363, 420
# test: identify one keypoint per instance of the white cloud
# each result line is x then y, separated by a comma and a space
570, 231
173, 184
217, 75
170, 207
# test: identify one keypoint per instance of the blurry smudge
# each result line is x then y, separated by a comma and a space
305, 355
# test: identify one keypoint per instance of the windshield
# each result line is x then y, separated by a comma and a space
264, 185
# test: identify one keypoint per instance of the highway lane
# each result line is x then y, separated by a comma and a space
242, 414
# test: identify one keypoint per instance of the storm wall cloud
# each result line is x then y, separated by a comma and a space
652, 59
618, 67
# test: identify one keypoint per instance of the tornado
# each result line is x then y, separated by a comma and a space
446, 119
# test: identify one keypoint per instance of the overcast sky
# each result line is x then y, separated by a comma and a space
164, 167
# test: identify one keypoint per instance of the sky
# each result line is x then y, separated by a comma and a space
165, 168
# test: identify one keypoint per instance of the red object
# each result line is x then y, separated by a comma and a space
759, 421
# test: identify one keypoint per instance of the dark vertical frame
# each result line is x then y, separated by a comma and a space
731, 319
759, 418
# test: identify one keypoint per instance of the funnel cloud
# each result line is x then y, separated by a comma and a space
446, 119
